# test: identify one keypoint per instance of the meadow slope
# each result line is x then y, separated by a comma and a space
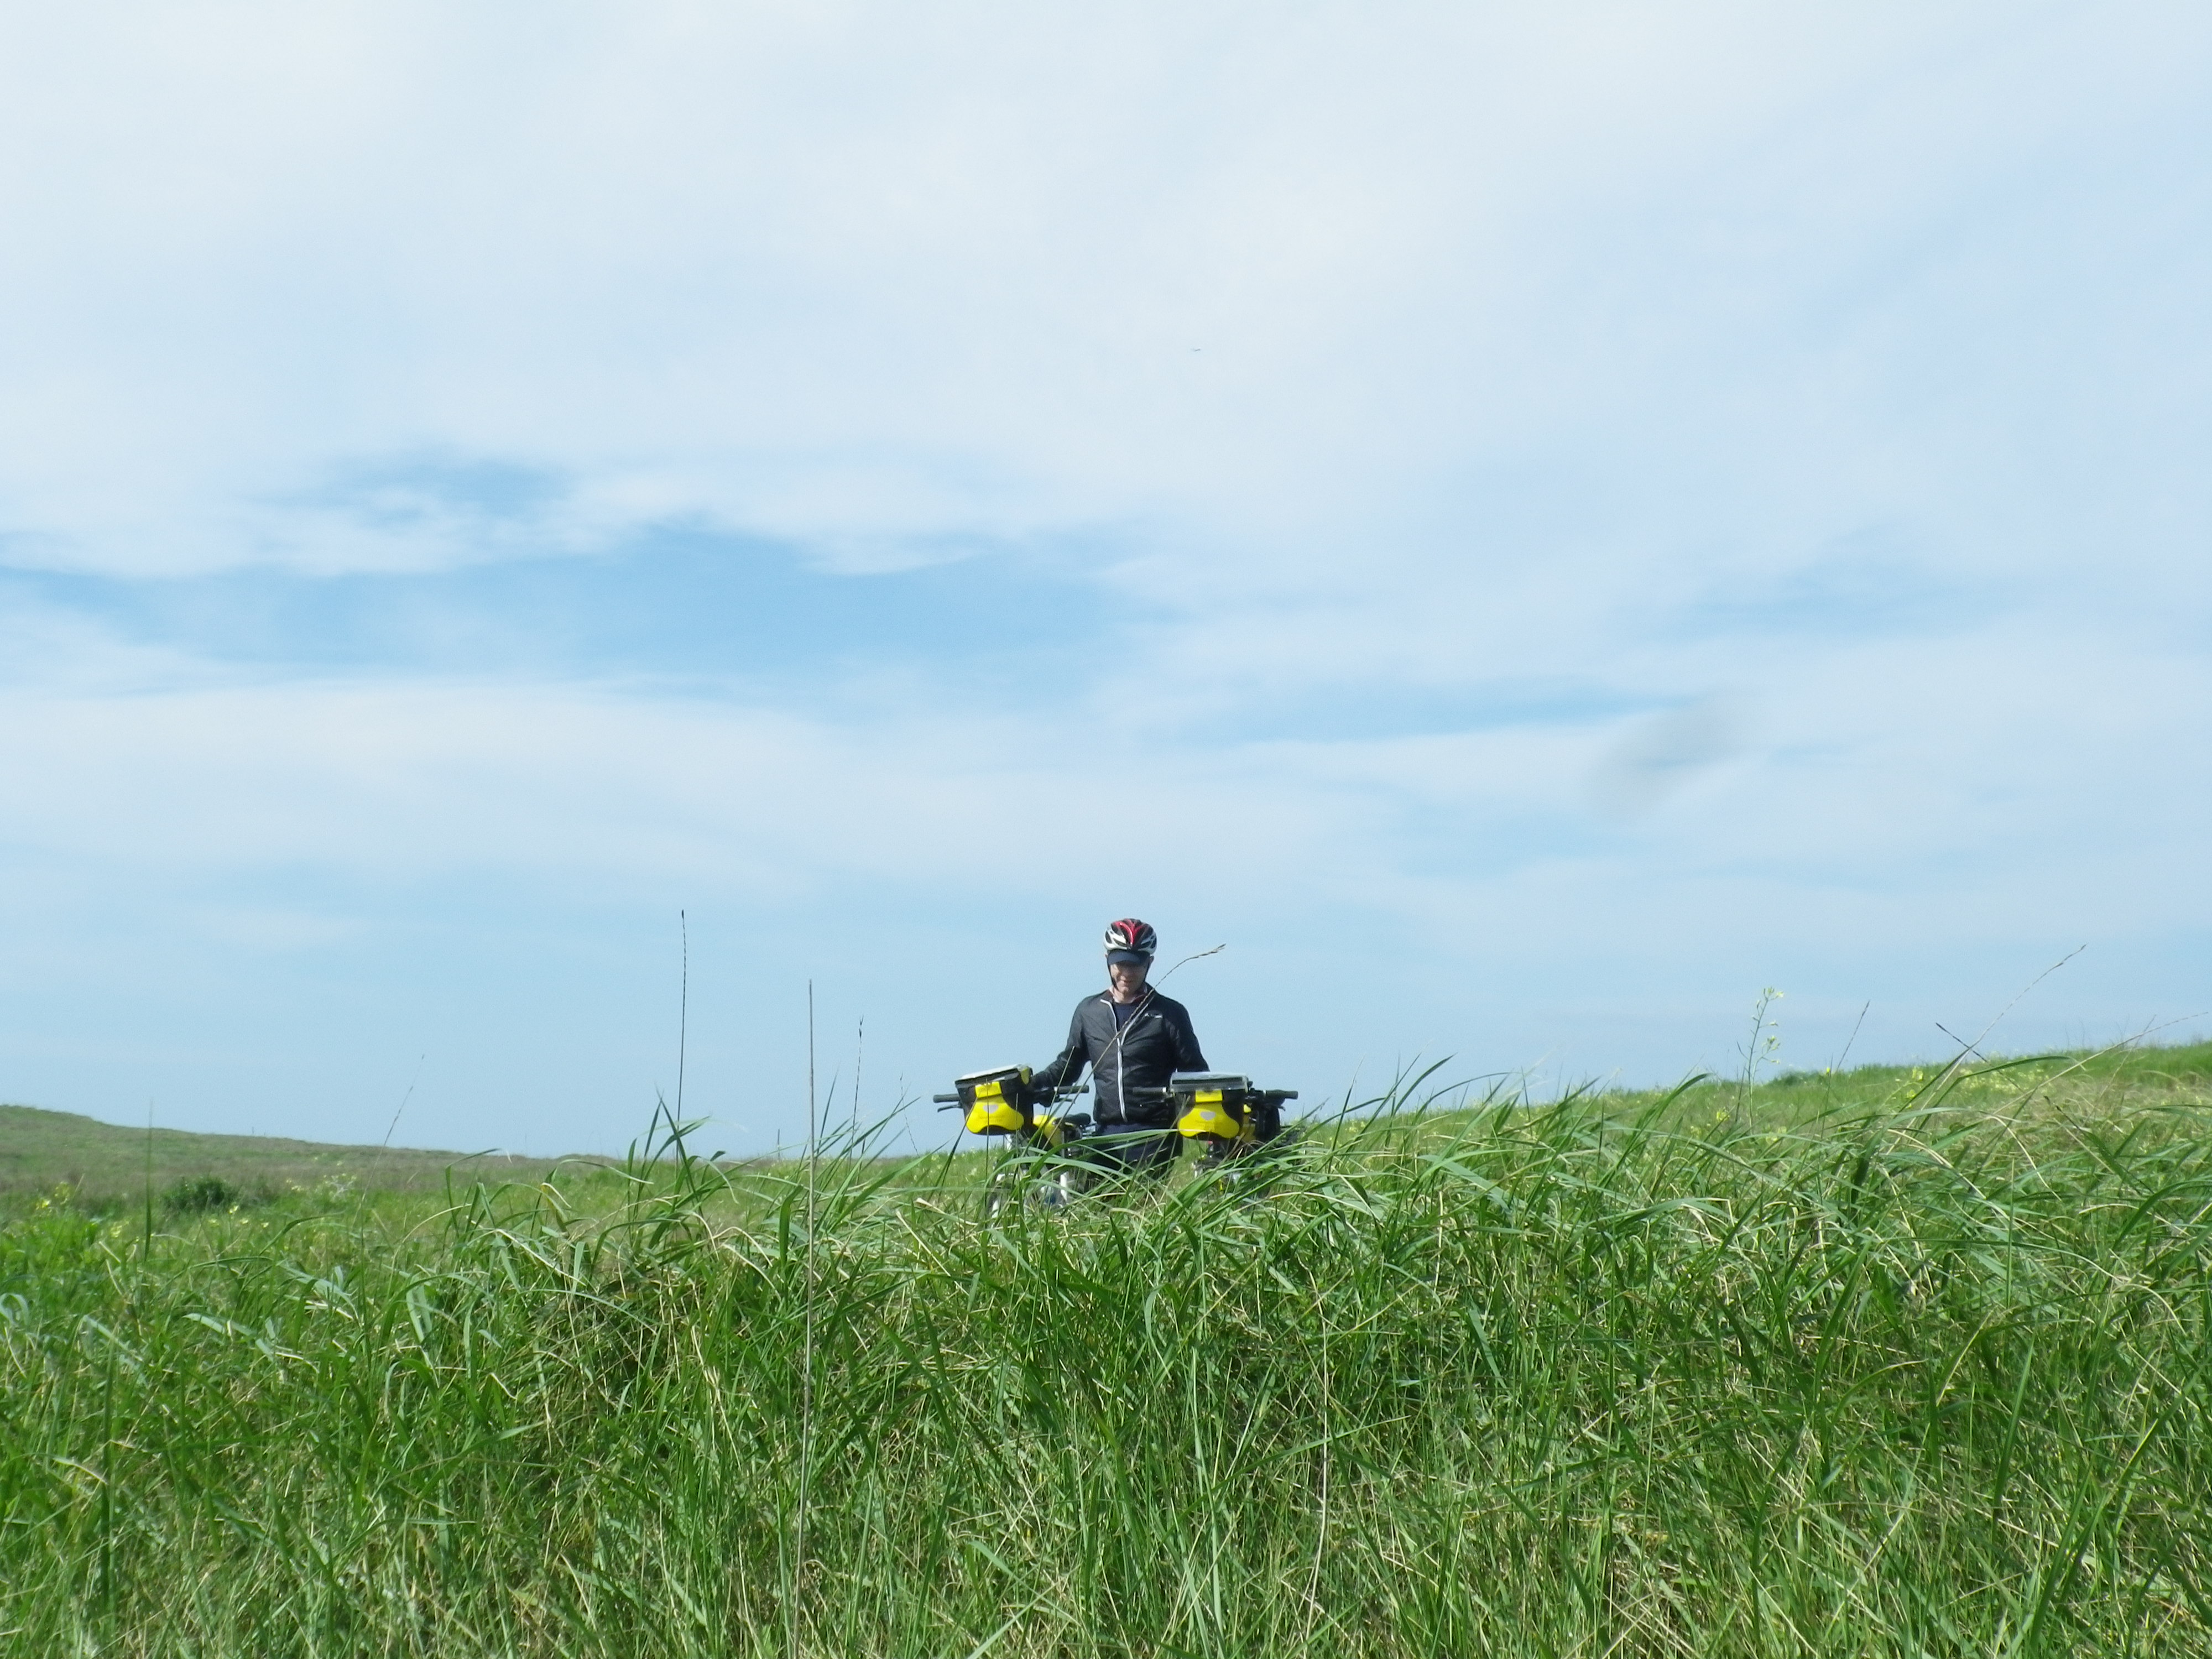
1888, 1364
109, 1167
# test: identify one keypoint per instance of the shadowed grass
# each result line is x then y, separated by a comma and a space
1878, 1365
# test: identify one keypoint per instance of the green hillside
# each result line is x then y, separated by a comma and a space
109, 1168
1906, 1363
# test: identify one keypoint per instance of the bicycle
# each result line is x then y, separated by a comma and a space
1039, 1156
1239, 1124
1052, 1159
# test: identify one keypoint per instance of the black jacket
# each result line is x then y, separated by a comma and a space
1157, 1041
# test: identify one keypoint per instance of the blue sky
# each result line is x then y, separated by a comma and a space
1528, 525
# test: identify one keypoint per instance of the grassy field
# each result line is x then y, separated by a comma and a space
1886, 1364
109, 1169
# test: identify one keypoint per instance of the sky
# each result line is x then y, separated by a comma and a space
535, 541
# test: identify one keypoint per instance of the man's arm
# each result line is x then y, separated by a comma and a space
1188, 1057
1068, 1064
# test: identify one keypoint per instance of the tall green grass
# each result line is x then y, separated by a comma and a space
1875, 1366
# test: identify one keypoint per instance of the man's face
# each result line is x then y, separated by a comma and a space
1127, 979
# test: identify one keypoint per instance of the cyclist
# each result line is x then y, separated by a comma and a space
1133, 1039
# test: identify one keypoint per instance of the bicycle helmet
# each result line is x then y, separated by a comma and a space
1130, 940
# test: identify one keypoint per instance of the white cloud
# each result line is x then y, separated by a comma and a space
833, 275
1436, 397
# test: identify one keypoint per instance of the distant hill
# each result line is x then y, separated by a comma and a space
108, 1164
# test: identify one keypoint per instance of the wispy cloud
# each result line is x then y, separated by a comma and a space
1583, 511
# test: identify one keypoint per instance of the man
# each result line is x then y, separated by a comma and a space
1133, 1038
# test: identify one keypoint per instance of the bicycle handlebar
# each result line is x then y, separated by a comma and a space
1069, 1090
1167, 1093
1063, 1091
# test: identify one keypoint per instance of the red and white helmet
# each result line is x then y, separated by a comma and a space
1131, 938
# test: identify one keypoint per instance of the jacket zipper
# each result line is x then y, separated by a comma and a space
1120, 1072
